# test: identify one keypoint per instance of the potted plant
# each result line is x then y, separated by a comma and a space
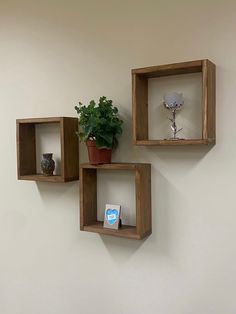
99, 127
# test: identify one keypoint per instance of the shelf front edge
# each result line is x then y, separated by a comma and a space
129, 233
189, 142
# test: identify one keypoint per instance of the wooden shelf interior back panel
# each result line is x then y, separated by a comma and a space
26, 149
88, 200
140, 101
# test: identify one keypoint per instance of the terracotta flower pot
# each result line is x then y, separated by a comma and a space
98, 155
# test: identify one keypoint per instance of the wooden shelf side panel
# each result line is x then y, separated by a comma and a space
88, 197
140, 107
69, 149
209, 100
26, 149
143, 200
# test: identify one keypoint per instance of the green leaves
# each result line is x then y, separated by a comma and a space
100, 122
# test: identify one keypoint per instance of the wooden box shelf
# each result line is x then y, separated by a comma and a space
26, 149
88, 200
140, 101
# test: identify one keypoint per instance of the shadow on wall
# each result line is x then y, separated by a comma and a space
159, 241
165, 213
128, 247
184, 153
53, 192
133, 153
165, 194
189, 156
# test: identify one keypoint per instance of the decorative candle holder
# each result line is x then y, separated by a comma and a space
174, 101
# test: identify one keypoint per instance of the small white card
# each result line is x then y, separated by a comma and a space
112, 216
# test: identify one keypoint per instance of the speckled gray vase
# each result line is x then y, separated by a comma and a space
47, 164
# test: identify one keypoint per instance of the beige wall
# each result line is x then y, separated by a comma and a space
54, 53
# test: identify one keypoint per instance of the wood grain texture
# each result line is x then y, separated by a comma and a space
41, 177
26, 149
191, 142
88, 197
170, 69
124, 232
88, 200
39, 120
140, 101
69, 149
143, 200
140, 107
208, 100
113, 166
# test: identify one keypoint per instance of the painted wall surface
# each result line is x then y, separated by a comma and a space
54, 53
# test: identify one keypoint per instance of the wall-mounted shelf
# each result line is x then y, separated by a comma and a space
88, 200
140, 101
26, 149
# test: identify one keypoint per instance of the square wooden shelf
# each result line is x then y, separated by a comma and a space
88, 200
140, 101
26, 149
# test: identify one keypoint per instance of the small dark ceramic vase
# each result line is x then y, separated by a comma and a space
47, 164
